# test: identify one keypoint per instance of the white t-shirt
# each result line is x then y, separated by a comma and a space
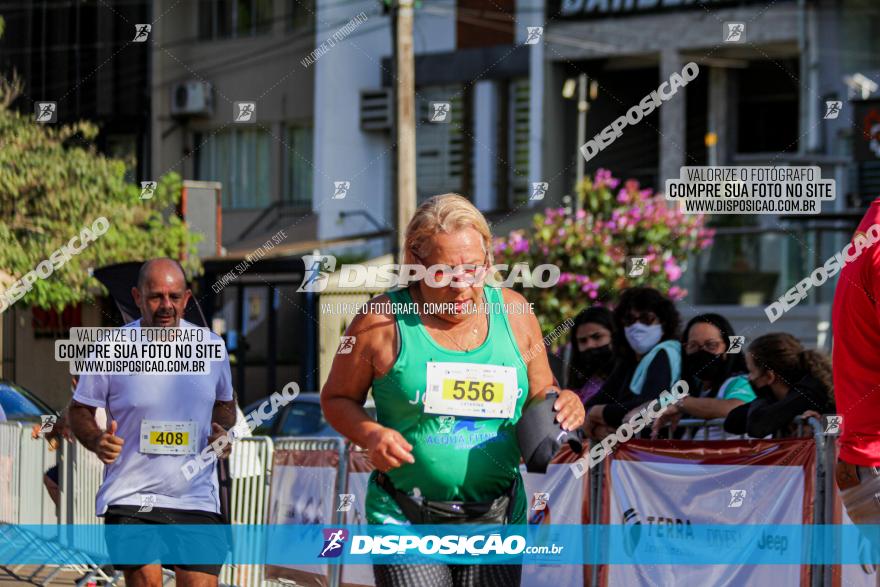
129, 399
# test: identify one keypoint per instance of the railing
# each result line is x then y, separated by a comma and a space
250, 467
754, 265
24, 460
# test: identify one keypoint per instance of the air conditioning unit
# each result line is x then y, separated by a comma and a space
192, 98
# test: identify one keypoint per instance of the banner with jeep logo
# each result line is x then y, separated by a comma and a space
668, 490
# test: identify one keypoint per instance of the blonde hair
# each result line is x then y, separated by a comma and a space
446, 213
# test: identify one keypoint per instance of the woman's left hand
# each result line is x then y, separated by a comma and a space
570, 410
670, 416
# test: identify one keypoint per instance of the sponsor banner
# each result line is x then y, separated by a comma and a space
567, 503
359, 469
299, 495
662, 493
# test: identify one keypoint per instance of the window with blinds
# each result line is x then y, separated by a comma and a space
518, 172
224, 19
442, 161
298, 163
240, 160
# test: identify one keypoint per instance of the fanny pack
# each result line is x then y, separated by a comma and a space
419, 510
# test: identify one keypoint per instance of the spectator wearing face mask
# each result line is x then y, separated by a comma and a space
649, 358
788, 380
716, 376
591, 358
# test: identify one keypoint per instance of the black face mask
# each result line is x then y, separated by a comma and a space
595, 359
704, 366
763, 392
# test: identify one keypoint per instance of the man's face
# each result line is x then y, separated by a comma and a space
163, 297
463, 250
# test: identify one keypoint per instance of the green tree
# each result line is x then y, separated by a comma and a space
53, 184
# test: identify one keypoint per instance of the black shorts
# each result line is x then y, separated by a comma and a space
167, 551
414, 575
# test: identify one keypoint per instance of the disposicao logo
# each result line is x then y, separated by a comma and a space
432, 544
333, 542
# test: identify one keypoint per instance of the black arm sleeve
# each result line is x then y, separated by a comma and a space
611, 389
737, 419
656, 381
766, 418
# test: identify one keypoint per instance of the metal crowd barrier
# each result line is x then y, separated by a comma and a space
23, 499
825, 458
250, 467
23, 460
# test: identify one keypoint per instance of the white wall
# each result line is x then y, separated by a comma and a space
531, 13
486, 121
343, 152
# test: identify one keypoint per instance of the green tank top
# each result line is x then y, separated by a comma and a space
468, 459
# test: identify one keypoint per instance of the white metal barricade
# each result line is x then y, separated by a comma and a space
81, 476
250, 469
10, 441
24, 499
23, 461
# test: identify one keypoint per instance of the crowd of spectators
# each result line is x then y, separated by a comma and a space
617, 360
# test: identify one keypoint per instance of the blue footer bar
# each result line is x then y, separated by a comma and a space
649, 544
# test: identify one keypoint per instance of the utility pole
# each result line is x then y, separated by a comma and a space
405, 117
581, 130
583, 104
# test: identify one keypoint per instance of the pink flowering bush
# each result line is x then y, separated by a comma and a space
591, 250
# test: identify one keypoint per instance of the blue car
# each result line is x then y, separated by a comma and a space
21, 405
301, 417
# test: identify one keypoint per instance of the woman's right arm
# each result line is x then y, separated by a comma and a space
709, 408
657, 378
351, 376
345, 392
765, 419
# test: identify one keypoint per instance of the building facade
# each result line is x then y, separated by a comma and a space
766, 72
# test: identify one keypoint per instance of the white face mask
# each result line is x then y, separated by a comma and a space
642, 338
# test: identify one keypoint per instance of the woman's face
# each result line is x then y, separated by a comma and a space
757, 375
704, 336
462, 249
646, 317
591, 335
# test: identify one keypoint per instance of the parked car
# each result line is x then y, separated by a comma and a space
21, 405
301, 417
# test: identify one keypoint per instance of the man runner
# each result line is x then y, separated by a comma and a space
143, 482
449, 388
